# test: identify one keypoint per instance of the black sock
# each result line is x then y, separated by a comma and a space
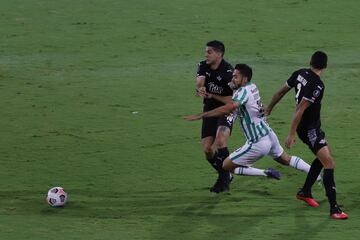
223, 153
312, 175
329, 185
220, 156
212, 162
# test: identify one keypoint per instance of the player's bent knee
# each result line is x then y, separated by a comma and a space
220, 143
228, 165
207, 145
329, 164
325, 157
223, 130
207, 150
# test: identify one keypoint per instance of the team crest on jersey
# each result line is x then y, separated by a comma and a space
316, 93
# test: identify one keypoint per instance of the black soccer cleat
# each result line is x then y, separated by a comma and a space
217, 186
227, 178
222, 183
223, 187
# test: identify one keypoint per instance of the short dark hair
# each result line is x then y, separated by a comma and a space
217, 46
245, 70
319, 60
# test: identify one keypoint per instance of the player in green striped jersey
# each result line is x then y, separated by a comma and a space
260, 138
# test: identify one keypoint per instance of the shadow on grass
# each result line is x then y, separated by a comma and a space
183, 213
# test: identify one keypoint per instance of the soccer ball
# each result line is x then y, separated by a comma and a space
56, 197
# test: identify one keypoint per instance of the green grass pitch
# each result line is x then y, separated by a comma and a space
92, 95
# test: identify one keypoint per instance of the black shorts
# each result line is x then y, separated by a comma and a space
314, 138
210, 125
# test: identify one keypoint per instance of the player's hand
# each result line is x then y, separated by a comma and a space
267, 111
201, 92
192, 117
208, 95
290, 141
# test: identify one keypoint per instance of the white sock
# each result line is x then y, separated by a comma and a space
249, 171
301, 165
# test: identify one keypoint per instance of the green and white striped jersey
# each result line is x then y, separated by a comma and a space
251, 112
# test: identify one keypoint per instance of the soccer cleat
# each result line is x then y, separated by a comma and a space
272, 173
339, 216
307, 198
225, 187
216, 187
227, 178
222, 184
337, 213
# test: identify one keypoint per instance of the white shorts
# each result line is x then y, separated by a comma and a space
248, 154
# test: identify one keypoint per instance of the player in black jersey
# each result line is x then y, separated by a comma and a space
309, 91
213, 76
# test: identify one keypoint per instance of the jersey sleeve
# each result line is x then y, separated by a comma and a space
241, 96
292, 79
313, 92
201, 70
229, 74
228, 77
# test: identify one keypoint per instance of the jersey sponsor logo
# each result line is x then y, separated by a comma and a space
254, 90
213, 88
316, 93
302, 80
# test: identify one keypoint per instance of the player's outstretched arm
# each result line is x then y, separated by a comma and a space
290, 140
217, 112
223, 99
276, 98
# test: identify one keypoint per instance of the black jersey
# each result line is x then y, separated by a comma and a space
308, 86
216, 82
